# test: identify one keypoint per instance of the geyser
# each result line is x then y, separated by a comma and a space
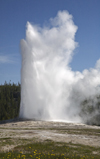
50, 90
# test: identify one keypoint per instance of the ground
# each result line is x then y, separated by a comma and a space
40, 131
48, 139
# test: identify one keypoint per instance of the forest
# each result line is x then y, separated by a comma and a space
9, 100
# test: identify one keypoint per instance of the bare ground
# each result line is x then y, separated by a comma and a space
22, 132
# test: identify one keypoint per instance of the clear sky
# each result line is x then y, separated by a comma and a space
14, 15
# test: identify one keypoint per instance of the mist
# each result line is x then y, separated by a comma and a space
50, 90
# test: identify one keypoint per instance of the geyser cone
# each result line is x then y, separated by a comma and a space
49, 89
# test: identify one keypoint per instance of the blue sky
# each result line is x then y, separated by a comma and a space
14, 15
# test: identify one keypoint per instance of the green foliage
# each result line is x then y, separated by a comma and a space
9, 100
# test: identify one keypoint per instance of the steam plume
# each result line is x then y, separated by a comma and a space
50, 90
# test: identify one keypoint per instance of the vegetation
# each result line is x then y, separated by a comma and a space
53, 150
9, 100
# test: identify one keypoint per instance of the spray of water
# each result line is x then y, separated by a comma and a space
50, 90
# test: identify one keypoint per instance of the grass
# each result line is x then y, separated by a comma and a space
52, 150
13, 141
6, 141
33, 148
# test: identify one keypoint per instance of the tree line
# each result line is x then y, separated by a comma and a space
9, 100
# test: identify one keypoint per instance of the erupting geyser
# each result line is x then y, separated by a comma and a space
50, 90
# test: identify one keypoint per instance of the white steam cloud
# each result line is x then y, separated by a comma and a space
50, 90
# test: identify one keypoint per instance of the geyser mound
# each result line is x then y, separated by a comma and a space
50, 90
